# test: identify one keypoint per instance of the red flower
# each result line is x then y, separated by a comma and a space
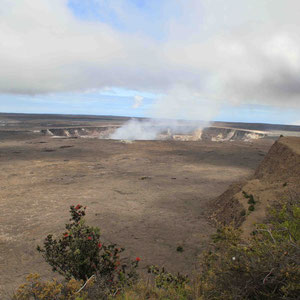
89, 238
66, 235
137, 259
78, 206
99, 245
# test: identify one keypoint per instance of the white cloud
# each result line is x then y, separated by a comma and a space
138, 101
236, 51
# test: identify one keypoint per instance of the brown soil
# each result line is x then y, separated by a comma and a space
148, 196
275, 180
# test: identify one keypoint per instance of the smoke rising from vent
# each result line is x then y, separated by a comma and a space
180, 103
138, 130
154, 129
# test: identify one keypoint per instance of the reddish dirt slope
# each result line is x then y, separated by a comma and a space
282, 163
276, 179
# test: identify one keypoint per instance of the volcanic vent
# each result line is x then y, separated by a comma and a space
217, 134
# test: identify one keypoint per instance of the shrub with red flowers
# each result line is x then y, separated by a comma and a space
79, 253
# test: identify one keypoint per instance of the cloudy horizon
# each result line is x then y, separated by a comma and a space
199, 60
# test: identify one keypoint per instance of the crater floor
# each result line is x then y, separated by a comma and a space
148, 196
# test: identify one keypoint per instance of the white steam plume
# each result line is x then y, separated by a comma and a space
137, 130
180, 103
154, 129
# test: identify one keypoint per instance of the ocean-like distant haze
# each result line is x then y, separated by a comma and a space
179, 59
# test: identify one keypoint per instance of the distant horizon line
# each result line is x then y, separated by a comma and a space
134, 117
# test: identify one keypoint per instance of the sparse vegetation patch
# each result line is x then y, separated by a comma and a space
79, 253
266, 266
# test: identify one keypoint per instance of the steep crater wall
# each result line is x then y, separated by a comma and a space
217, 134
230, 134
275, 180
85, 132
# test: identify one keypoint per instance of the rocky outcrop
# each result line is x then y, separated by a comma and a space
282, 163
91, 132
218, 134
227, 209
276, 179
230, 134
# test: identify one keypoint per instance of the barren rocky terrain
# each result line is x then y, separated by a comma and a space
276, 180
148, 196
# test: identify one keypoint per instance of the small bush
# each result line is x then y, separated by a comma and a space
265, 267
179, 249
146, 291
165, 286
251, 207
245, 194
251, 199
79, 253
35, 288
164, 279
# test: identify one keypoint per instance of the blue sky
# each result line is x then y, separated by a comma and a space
229, 61
115, 102
120, 103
